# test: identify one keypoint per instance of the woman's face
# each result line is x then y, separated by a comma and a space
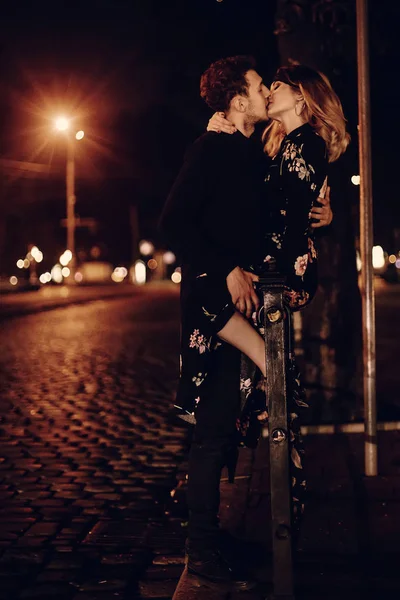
282, 100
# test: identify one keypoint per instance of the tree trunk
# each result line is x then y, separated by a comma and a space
331, 328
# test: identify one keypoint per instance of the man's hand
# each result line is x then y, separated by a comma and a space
241, 289
324, 213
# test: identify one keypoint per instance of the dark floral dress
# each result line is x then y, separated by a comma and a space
295, 179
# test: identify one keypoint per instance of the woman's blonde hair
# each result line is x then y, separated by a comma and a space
322, 110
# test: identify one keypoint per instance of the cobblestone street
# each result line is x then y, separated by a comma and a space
92, 469
88, 457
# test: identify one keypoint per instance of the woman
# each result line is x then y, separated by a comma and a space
307, 131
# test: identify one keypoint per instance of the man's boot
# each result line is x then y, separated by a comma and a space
204, 558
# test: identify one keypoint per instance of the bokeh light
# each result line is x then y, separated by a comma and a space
56, 274
378, 257
176, 277
169, 257
146, 248
152, 264
140, 272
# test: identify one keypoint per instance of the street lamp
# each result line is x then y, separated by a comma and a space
62, 124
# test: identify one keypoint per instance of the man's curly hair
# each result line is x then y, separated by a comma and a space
225, 79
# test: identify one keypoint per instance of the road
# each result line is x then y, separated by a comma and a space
88, 457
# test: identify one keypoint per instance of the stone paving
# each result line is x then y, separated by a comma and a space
88, 455
92, 472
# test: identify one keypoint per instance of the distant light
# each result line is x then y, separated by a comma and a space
392, 259
355, 180
56, 274
152, 264
146, 248
95, 252
169, 258
358, 261
78, 277
36, 254
21, 263
13, 280
378, 257
65, 272
26, 263
65, 258
61, 123
398, 263
119, 274
140, 272
45, 278
79, 135
176, 277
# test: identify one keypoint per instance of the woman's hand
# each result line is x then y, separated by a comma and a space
218, 123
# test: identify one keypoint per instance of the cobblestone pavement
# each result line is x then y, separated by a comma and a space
88, 456
92, 471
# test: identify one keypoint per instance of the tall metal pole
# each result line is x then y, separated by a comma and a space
70, 188
366, 241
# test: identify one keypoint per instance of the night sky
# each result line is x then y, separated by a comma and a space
129, 74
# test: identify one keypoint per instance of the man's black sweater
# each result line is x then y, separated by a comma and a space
212, 214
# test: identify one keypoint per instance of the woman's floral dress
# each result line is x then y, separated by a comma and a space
293, 183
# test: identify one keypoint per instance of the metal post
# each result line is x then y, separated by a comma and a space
70, 191
276, 339
366, 241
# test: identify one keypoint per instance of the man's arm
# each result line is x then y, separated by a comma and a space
323, 214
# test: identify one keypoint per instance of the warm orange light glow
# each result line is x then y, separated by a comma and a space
61, 123
152, 264
176, 277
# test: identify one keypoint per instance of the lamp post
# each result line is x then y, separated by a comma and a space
63, 124
366, 241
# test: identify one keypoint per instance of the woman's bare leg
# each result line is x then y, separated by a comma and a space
239, 333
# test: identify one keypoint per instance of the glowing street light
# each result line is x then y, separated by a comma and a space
355, 180
61, 123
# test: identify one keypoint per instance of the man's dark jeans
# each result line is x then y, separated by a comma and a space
206, 461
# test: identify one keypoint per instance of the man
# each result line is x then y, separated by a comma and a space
212, 218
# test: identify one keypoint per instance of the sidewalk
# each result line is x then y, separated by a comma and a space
49, 297
349, 546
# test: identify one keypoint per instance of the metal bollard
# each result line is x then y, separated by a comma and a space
276, 321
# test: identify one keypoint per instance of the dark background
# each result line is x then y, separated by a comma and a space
128, 72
